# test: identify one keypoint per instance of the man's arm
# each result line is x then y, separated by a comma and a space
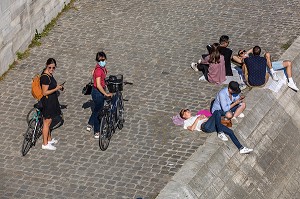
225, 106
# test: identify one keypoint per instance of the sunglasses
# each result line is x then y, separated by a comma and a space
52, 67
242, 52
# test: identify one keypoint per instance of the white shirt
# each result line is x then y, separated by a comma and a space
190, 122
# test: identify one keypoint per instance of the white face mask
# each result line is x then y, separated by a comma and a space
102, 63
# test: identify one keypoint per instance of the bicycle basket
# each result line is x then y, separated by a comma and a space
114, 83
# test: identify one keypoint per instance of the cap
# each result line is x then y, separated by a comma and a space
235, 87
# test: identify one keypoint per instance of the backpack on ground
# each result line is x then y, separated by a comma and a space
36, 89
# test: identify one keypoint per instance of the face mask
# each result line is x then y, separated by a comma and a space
102, 63
235, 94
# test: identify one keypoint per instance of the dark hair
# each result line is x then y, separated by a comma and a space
256, 50
214, 54
100, 54
223, 39
182, 111
51, 61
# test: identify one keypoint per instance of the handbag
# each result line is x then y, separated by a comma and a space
227, 123
87, 89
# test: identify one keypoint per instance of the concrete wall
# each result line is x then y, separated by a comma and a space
272, 128
18, 21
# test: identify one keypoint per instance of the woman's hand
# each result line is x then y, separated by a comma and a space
59, 87
108, 94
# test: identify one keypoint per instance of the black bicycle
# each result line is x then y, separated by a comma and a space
112, 115
34, 130
34, 120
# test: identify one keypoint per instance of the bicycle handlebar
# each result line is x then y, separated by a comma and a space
130, 83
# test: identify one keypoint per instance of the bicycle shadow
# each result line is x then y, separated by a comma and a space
88, 104
58, 121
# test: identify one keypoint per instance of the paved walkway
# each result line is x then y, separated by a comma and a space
152, 43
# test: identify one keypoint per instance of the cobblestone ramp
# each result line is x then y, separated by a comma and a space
272, 171
152, 43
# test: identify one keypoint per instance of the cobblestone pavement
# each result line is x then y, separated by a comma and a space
152, 43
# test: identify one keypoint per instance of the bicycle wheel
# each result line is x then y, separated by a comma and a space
27, 142
38, 131
105, 132
31, 114
120, 112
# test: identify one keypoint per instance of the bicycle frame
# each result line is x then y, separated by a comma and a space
112, 117
37, 117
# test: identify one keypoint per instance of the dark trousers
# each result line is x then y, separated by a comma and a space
204, 69
214, 124
98, 99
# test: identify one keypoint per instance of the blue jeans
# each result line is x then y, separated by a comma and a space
98, 99
214, 124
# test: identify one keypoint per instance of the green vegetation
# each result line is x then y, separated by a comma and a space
36, 41
286, 45
9, 68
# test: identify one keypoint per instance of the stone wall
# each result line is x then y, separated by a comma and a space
18, 21
272, 128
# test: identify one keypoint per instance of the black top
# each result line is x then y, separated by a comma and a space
227, 53
51, 107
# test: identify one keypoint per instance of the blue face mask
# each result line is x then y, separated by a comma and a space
102, 63
235, 95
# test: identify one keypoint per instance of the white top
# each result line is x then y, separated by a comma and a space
190, 122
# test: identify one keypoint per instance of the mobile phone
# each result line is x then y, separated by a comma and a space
63, 83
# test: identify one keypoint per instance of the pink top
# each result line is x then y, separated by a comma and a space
99, 72
216, 72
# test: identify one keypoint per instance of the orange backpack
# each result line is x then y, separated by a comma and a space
36, 89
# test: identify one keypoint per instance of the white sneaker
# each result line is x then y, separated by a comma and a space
241, 115
96, 135
88, 128
53, 141
243, 86
293, 86
222, 136
202, 78
275, 77
49, 147
194, 66
245, 150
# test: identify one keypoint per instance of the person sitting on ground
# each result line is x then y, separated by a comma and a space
229, 102
210, 125
213, 66
239, 58
227, 53
255, 69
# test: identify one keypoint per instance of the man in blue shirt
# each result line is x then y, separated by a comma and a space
229, 102
255, 69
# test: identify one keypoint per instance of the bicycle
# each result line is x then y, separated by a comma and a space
112, 114
34, 120
34, 130
57, 122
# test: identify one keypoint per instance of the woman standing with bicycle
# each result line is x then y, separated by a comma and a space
51, 107
98, 92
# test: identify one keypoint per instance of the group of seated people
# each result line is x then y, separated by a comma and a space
228, 104
216, 65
